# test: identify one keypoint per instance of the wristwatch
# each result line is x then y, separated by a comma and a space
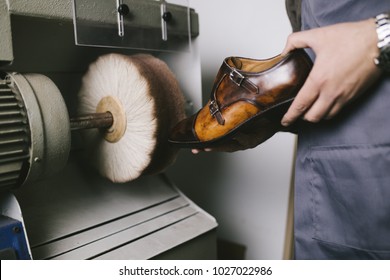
383, 31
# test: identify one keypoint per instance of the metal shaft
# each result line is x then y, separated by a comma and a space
95, 120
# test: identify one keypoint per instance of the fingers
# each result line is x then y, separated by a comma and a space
317, 100
309, 92
297, 40
333, 112
302, 103
197, 151
325, 107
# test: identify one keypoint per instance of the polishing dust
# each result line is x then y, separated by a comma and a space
145, 100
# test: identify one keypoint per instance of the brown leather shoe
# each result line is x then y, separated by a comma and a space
247, 93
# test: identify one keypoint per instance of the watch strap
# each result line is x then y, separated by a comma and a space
383, 31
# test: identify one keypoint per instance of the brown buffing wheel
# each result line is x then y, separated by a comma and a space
145, 100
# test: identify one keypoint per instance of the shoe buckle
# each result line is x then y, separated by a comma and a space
213, 107
215, 112
236, 77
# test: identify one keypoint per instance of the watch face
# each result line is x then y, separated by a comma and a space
384, 58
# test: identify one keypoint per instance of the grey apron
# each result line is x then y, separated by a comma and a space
342, 185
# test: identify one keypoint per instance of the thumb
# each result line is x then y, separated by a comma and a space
297, 40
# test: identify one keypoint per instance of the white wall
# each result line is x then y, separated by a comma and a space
247, 192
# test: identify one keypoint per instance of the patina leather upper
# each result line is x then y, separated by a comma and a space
244, 89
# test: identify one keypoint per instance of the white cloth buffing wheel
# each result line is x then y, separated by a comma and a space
145, 100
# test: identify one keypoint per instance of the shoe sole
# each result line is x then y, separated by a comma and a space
273, 114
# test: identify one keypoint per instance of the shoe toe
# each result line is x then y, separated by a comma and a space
183, 132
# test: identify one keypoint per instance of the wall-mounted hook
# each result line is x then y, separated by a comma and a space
165, 17
122, 10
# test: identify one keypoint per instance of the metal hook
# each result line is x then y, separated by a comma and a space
165, 17
122, 10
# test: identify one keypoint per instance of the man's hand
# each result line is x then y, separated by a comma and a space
344, 67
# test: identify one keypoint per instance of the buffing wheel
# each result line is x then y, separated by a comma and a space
145, 100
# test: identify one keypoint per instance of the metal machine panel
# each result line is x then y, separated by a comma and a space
77, 199
77, 214
94, 234
131, 234
195, 225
